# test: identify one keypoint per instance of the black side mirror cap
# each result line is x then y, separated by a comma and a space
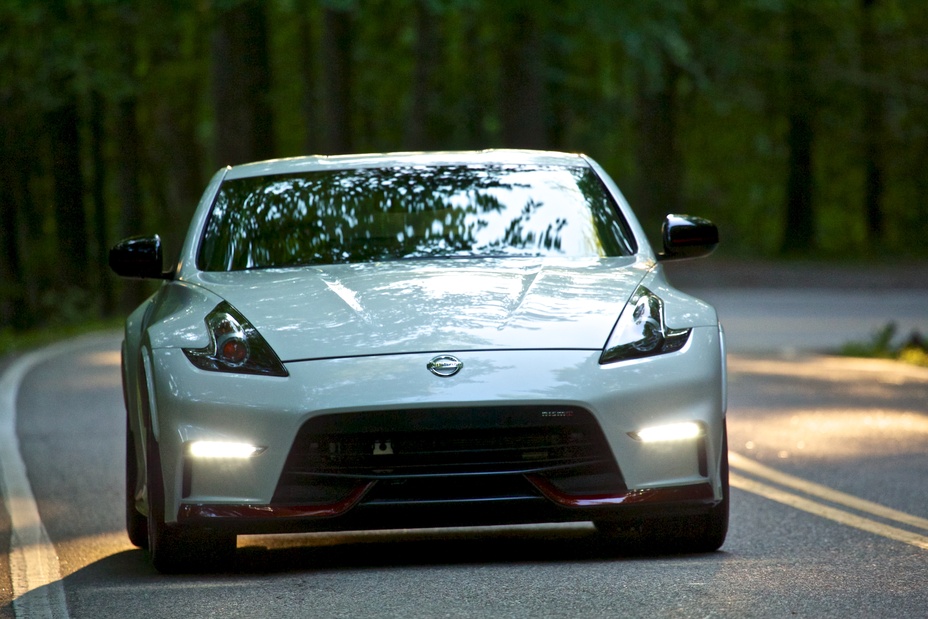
139, 257
685, 236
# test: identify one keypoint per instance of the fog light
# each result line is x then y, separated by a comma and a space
669, 432
222, 449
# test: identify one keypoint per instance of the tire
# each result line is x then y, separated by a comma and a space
136, 523
705, 533
177, 549
715, 523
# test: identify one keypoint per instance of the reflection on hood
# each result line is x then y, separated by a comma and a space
432, 306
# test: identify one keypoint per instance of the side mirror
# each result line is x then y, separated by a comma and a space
685, 236
139, 256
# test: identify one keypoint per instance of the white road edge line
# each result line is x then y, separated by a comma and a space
38, 592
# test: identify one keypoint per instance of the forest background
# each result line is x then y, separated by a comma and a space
799, 126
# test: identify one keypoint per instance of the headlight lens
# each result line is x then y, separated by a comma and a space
235, 346
641, 331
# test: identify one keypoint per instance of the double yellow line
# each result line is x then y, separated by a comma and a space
811, 489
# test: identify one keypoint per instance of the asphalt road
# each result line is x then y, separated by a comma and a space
829, 515
798, 320
785, 308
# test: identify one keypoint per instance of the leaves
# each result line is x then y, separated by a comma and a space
445, 74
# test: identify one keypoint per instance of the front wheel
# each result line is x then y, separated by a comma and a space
174, 548
704, 533
136, 523
715, 523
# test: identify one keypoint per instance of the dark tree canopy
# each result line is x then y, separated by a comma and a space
801, 128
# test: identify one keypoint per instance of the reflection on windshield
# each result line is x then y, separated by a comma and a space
374, 214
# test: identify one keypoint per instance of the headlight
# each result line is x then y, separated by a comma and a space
641, 332
235, 346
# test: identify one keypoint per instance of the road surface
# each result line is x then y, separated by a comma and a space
829, 513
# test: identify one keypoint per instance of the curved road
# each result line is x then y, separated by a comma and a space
829, 518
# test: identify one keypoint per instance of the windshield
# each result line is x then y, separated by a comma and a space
411, 212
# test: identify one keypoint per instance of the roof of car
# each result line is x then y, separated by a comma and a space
338, 162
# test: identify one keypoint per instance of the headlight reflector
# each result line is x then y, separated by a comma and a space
641, 332
235, 346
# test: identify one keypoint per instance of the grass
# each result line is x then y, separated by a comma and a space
881, 345
13, 341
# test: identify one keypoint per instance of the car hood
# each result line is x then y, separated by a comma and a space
432, 305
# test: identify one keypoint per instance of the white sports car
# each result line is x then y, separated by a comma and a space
420, 339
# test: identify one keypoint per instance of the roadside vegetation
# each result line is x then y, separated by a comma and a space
799, 127
884, 344
12, 341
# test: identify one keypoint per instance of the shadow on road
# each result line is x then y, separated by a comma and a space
326, 552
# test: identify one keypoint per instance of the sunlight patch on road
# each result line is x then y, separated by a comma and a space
102, 359
88, 381
94, 370
831, 369
832, 433
78, 553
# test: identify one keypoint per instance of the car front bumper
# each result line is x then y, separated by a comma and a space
190, 405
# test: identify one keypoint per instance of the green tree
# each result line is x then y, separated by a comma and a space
800, 127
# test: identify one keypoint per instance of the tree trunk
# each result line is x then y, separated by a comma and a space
128, 142
22, 219
799, 234
871, 65
241, 85
128, 188
11, 275
308, 73
169, 146
11, 269
523, 86
472, 108
419, 135
338, 78
11, 177
98, 192
660, 166
70, 218
127, 173
179, 158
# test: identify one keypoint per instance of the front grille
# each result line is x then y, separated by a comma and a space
442, 442
466, 443
437, 489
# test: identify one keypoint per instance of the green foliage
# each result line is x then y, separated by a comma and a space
914, 355
882, 345
433, 73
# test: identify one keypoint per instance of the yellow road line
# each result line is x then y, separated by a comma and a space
824, 492
831, 513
